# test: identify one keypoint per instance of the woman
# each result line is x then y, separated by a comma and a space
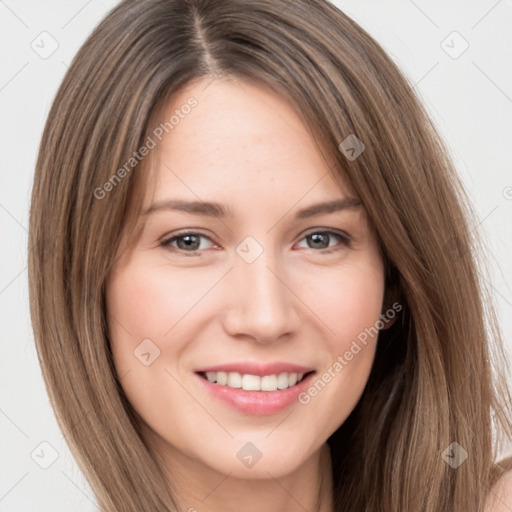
252, 282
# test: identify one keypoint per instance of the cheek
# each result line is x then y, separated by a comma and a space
350, 304
147, 302
361, 302
140, 307
349, 301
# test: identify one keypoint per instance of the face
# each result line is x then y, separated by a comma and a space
270, 283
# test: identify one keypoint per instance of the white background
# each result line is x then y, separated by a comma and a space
469, 98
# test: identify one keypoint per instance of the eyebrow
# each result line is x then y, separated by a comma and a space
218, 210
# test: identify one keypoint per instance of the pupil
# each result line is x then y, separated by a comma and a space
318, 238
193, 245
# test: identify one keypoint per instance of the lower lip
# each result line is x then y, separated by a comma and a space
258, 403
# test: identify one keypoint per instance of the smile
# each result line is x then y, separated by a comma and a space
250, 382
261, 395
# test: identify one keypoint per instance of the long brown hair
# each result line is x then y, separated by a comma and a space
432, 382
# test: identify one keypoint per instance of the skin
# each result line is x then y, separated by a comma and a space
499, 498
244, 146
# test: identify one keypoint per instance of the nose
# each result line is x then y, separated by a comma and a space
262, 305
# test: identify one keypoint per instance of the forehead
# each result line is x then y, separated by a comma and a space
239, 138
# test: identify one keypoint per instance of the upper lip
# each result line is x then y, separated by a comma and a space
256, 368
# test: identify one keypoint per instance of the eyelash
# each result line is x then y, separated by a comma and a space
343, 238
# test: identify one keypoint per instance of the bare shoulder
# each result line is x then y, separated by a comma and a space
499, 498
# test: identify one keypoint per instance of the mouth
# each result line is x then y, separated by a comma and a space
254, 394
250, 382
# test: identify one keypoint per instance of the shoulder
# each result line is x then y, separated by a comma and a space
499, 498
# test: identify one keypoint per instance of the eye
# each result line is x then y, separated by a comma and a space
321, 240
188, 242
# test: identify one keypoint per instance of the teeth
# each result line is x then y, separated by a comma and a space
234, 380
251, 382
222, 378
268, 383
254, 382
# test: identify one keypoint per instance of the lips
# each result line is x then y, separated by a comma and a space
258, 403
